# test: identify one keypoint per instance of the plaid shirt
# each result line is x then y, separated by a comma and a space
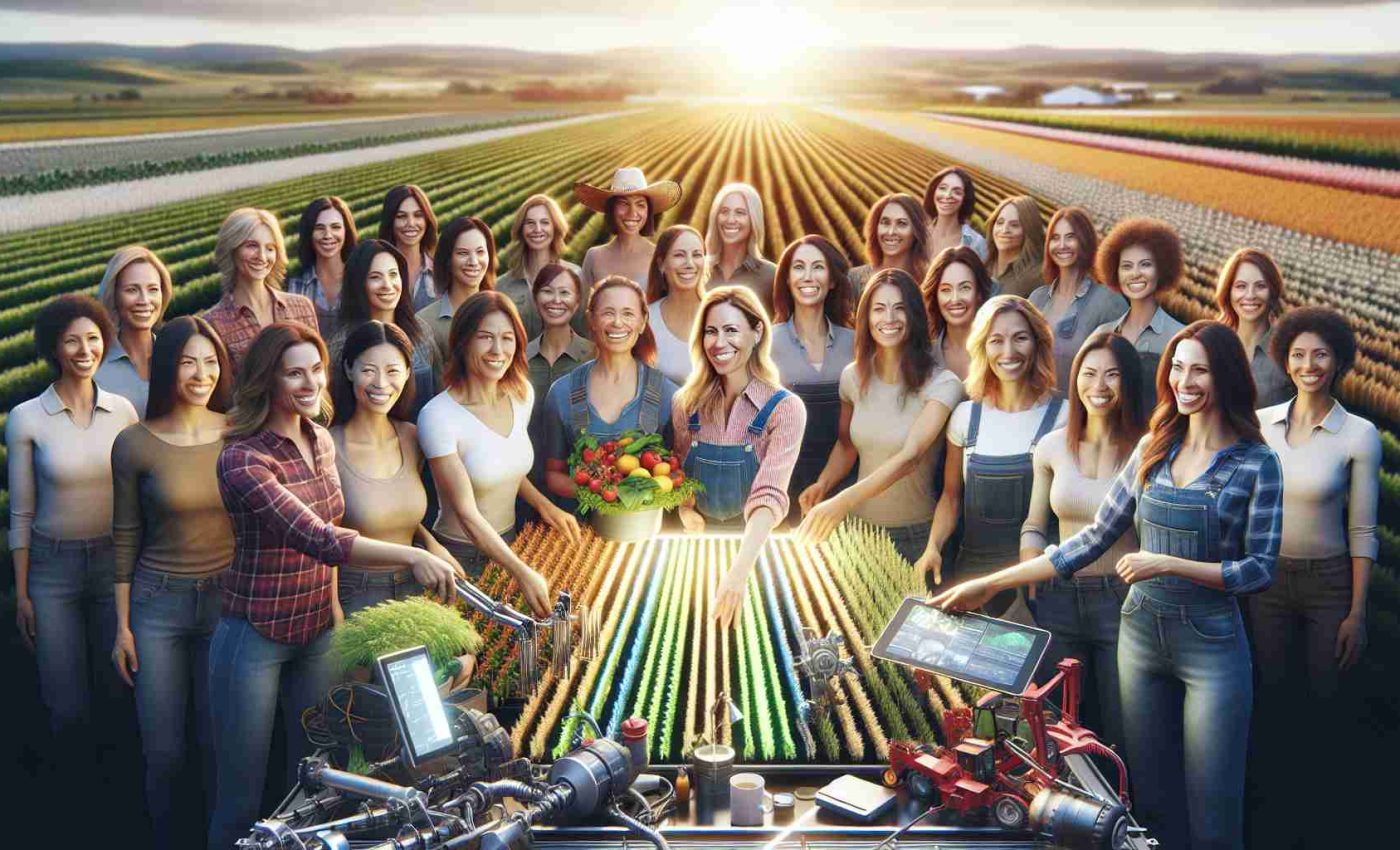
286, 542
1250, 508
238, 327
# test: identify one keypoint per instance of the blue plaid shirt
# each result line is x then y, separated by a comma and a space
1250, 508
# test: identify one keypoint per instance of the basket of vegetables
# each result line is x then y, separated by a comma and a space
625, 484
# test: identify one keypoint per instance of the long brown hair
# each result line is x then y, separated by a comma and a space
918, 219
1129, 421
443, 272
1032, 230
982, 383
369, 335
469, 316
394, 199
1232, 390
982, 282
916, 360
838, 303
166, 352
657, 285
969, 201
1268, 269
645, 347
259, 372
1083, 228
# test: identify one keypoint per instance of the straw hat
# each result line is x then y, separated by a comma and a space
662, 195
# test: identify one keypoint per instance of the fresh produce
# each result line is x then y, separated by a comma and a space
626, 475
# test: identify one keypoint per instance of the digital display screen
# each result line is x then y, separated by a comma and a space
970, 647
417, 705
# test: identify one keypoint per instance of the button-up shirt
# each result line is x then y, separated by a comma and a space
437, 318
1331, 484
1091, 307
308, 286
795, 367
753, 273
1271, 384
60, 474
424, 290
777, 448
1249, 508
238, 327
1154, 337
543, 374
517, 288
286, 542
118, 374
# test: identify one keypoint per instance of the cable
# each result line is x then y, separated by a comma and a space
638, 827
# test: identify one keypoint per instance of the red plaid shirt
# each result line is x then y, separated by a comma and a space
285, 539
238, 327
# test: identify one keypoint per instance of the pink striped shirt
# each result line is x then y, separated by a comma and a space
777, 448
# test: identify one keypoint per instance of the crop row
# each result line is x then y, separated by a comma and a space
1358, 142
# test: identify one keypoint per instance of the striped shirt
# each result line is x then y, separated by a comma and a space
286, 543
777, 448
1249, 507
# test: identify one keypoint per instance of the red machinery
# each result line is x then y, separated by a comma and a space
1016, 774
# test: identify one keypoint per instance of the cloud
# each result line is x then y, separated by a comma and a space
243, 10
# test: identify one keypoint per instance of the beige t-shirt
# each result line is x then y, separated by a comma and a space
881, 419
1074, 498
388, 509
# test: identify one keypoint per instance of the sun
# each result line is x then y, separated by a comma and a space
758, 45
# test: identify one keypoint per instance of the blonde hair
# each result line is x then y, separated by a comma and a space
517, 233
982, 383
704, 390
713, 244
1033, 229
235, 230
126, 257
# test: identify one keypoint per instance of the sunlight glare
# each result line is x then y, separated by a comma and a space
759, 44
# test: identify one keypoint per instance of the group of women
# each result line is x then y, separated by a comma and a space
1019, 413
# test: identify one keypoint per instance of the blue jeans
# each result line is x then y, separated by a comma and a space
359, 589
75, 622
249, 675
172, 620
909, 540
472, 559
1082, 617
1185, 671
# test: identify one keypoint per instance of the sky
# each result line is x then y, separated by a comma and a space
1246, 26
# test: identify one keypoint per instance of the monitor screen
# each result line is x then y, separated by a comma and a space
993, 653
418, 707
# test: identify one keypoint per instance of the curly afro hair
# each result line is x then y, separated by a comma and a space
1157, 237
1327, 323
58, 314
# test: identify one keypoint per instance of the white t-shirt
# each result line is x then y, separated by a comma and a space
496, 465
672, 352
881, 419
1000, 433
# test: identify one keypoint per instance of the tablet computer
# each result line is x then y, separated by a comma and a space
418, 708
971, 648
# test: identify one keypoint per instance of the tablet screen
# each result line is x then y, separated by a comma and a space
973, 648
418, 708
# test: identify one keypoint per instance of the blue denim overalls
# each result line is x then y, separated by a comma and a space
727, 471
1184, 673
996, 499
648, 411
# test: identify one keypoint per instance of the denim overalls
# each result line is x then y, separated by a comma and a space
648, 411
823, 403
1184, 674
996, 499
727, 471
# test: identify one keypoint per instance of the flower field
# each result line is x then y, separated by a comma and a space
1369, 141
818, 172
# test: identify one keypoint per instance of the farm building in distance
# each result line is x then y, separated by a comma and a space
981, 94
1079, 96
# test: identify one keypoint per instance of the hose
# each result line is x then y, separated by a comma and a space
481, 795
623, 819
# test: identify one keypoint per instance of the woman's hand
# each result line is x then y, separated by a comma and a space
823, 518
124, 656
931, 562
1351, 641
729, 597
1140, 566
337, 613
968, 596
536, 590
24, 619
811, 497
691, 520
434, 547
435, 574
563, 522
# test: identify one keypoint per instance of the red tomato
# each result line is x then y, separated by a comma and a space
650, 459
678, 477
610, 494
671, 460
595, 485
581, 477
609, 447
588, 455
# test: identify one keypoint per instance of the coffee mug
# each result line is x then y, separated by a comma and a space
748, 802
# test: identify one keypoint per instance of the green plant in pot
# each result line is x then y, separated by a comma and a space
396, 625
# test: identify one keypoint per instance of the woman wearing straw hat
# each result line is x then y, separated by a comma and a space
631, 209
